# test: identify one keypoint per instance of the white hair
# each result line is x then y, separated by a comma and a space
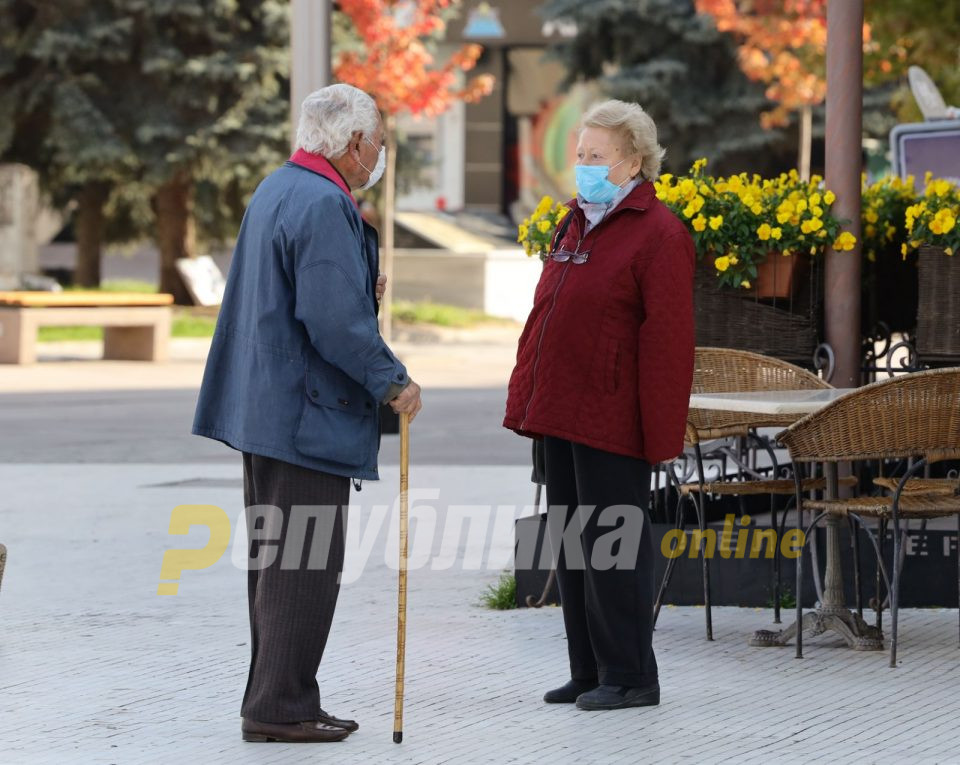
331, 115
635, 127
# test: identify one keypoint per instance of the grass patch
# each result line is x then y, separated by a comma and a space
185, 324
61, 334
501, 596
117, 285
439, 314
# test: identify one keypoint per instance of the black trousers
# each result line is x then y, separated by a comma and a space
607, 609
292, 599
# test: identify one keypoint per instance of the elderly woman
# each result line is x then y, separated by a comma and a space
603, 375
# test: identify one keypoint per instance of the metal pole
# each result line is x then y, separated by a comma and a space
309, 53
843, 167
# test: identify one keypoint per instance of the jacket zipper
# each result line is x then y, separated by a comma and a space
543, 329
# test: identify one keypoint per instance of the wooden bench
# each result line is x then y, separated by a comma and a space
136, 326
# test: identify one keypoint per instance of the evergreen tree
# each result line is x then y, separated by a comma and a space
146, 99
683, 72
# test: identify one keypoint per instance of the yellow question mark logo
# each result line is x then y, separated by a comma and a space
182, 519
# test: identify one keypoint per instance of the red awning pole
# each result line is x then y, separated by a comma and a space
843, 168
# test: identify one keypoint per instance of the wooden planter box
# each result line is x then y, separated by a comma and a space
938, 309
784, 327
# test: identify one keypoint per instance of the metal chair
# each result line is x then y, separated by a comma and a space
726, 370
913, 416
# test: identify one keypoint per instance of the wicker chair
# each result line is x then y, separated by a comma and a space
913, 416
725, 370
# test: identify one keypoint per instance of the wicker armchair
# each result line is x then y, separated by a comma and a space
913, 416
725, 370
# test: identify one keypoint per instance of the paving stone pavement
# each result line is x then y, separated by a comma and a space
95, 667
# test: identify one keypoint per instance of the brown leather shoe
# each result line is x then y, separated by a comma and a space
311, 731
348, 725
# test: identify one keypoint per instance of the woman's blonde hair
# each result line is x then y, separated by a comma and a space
636, 128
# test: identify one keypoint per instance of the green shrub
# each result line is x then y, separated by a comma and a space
502, 595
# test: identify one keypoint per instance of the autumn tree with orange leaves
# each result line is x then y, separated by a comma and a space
395, 64
783, 44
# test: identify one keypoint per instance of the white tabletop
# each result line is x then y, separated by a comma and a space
768, 402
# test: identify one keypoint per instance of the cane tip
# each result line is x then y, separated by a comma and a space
397, 736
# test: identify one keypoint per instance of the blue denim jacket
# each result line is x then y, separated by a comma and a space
297, 368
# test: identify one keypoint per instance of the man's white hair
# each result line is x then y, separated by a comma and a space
635, 127
331, 115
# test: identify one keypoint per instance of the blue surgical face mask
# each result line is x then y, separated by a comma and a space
592, 183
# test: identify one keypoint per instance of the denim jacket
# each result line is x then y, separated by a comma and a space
297, 367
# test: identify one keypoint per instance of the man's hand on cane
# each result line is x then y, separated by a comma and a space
408, 400
381, 286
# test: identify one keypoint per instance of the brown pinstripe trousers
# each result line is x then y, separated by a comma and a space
291, 606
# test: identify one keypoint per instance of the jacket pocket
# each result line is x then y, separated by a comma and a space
612, 375
335, 426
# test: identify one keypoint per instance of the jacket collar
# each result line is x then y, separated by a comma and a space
321, 166
642, 196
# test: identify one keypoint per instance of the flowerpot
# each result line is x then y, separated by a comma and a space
938, 310
775, 275
737, 318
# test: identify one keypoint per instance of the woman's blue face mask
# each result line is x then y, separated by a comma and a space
593, 184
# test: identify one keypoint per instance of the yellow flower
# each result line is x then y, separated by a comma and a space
544, 226
948, 250
816, 211
871, 216
801, 205
829, 197
716, 221
815, 198
562, 211
523, 233
745, 284
545, 204
776, 232
733, 259
764, 232
845, 241
870, 230
722, 263
903, 249
891, 232
699, 223
810, 225
945, 220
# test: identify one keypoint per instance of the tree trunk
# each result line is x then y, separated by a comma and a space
176, 232
806, 142
89, 224
389, 203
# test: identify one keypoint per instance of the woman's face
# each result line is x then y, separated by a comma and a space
601, 146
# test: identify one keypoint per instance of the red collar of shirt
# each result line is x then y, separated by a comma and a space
321, 166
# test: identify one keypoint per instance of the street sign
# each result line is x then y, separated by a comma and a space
927, 146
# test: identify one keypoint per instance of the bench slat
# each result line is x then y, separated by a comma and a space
25, 299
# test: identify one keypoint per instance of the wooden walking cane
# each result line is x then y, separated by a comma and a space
402, 588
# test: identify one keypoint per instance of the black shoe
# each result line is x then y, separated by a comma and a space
619, 697
347, 725
567, 694
292, 733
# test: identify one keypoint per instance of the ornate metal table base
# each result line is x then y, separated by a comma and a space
833, 613
858, 635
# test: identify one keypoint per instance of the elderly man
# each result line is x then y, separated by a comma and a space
294, 380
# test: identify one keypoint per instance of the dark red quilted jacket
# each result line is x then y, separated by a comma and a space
606, 356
